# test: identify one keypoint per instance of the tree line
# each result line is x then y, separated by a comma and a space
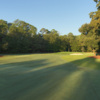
22, 37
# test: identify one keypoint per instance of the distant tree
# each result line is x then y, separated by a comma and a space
70, 38
85, 28
3, 27
21, 34
44, 31
98, 4
90, 33
23, 27
3, 34
92, 43
75, 46
63, 43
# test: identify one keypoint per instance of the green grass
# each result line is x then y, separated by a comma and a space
83, 60
57, 76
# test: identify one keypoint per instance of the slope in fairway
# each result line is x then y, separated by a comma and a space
46, 77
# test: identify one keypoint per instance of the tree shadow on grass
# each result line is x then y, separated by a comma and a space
88, 62
24, 64
49, 82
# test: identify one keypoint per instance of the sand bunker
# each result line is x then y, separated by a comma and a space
76, 54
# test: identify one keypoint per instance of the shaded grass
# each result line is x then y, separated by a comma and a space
83, 60
47, 77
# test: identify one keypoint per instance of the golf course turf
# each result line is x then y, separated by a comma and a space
55, 76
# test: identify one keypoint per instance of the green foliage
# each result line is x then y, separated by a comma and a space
85, 28
3, 27
92, 30
22, 37
75, 46
3, 33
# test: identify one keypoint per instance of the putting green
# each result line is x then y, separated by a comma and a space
48, 77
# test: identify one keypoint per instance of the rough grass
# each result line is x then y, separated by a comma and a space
48, 77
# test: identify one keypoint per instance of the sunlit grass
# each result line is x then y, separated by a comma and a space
51, 76
83, 60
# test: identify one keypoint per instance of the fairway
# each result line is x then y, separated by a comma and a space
55, 76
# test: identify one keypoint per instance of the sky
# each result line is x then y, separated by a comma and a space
63, 15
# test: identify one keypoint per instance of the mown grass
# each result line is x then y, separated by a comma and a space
48, 77
83, 60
